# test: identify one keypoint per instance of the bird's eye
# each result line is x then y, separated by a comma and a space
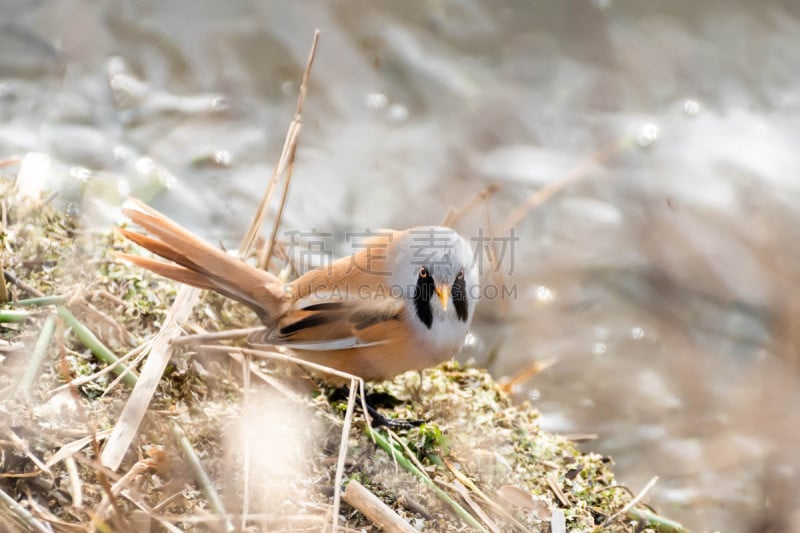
423, 272
460, 274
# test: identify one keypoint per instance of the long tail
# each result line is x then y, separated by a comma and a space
201, 265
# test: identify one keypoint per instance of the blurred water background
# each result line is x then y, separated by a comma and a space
661, 283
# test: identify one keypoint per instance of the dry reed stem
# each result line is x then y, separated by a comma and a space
374, 509
160, 352
141, 354
337, 487
517, 380
140, 522
266, 378
277, 356
227, 334
454, 215
82, 380
598, 157
22, 285
298, 117
287, 155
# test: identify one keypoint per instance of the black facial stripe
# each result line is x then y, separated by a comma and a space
459, 293
422, 299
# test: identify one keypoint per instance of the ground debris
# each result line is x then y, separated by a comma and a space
486, 452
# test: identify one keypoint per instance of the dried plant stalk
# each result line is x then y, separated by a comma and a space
378, 512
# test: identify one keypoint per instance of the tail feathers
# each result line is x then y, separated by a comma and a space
174, 272
201, 265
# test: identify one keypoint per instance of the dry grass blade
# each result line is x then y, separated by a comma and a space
276, 356
348, 420
286, 158
21, 445
298, 116
355, 384
81, 380
70, 449
536, 199
160, 353
227, 334
276, 384
410, 455
614, 517
454, 215
553, 485
462, 491
144, 508
378, 512
509, 385
22, 285
523, 499
496, 507
22, 515
75, 485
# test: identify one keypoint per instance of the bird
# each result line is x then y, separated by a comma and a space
404, 301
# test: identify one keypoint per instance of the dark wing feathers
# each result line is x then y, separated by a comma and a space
330, 325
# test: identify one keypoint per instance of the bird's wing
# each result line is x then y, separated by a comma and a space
335, 325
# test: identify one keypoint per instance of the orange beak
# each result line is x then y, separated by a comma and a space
444, 295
